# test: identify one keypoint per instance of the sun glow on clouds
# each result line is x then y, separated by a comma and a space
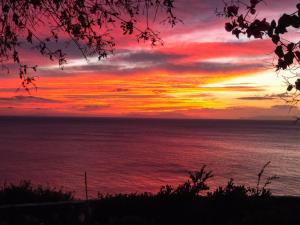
201, 72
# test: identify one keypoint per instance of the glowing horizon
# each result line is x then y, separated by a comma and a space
201, 72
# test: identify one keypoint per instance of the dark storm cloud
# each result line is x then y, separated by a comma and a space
210, 67
149, 57
256, 98
93, 107
127, 62
284, 107
266, 97
200, 67
27, 99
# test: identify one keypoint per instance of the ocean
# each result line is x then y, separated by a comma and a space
140, 155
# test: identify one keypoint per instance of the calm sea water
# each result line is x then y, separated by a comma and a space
137, 155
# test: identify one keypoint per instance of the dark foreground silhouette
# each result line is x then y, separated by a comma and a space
187, 204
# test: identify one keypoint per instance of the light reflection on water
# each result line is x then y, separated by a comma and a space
137, 155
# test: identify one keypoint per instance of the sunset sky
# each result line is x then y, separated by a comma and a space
201, 72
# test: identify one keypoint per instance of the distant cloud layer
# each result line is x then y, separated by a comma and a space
192, 58
202, 71
27, 99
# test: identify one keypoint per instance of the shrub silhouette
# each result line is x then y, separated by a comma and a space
231, 190
191, 187
195, 186
25, 192
188, 203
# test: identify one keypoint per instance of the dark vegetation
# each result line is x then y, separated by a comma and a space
50, 26
92, 26
188, 203
243, 20
25, 192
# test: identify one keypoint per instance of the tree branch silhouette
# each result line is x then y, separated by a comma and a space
89, 24
243, 21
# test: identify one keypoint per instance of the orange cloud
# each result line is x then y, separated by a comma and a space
179, 79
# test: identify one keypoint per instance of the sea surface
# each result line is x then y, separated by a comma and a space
138, 155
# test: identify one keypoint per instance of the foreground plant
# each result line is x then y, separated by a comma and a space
197, 184
26, 192
47, 26
243, 20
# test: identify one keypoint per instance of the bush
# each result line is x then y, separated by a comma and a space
25, 192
